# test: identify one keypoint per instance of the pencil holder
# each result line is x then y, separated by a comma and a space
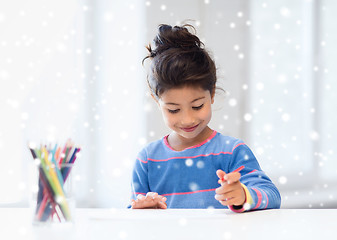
53, 201
52, 190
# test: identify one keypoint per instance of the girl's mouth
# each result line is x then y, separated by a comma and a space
190, 129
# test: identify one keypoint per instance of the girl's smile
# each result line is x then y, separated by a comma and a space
190, 129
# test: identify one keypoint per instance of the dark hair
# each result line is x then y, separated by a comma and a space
179, 59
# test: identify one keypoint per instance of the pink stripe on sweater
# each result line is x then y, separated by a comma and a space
207, 140
186, 157
195, 146
252, 171
142, 160
266, 198
136, 193
237, 146
259, 197
201, 155
183, 193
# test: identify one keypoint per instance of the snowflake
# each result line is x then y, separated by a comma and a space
117, 172
227, 235
124, 135
60, 199
268, 127
189, 162
77, 178
260, 86
248, 117
232, 102
142, 141
97, 117
200, 164
282, 180
163, 7
123, 235
259, 151
285, 12
182, 221
285, 117
193, 186
314, 136
151, 133
88, 51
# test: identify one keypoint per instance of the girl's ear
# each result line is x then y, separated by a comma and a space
212, 96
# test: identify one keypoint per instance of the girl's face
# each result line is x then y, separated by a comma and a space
187, 110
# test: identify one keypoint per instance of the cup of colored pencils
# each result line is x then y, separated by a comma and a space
53, 194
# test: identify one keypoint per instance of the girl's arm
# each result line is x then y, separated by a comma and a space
260, 191
141, 196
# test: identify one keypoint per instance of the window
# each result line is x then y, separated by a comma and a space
292, 98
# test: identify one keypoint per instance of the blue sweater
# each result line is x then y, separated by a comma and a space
188, 178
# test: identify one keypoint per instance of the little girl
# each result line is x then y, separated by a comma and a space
194, 166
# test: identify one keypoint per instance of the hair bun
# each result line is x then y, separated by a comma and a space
175, 37
179, 59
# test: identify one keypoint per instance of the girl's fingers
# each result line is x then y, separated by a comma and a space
236, 197
222, 197
237, 201
140, 196
151, 200
229, 202
150, 196
220, 173
232, 177
162, 205
163, 199
226, 188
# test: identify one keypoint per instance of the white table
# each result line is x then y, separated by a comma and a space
173, 224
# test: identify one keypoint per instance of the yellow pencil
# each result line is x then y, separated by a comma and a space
59, 193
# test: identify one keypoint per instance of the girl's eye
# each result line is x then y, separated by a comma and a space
173, 111
199, 107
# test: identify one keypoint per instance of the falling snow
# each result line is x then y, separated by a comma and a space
189, 162
200, 164
57, 84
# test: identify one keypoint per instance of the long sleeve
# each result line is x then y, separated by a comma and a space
260, 191
140, 184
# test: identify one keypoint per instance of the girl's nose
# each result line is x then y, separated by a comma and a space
187, 119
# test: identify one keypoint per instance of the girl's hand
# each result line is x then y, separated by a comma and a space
231, 192
151, 200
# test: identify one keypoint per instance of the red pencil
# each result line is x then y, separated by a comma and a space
239, 169
236, 170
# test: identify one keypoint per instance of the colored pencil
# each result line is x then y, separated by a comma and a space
51, 197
